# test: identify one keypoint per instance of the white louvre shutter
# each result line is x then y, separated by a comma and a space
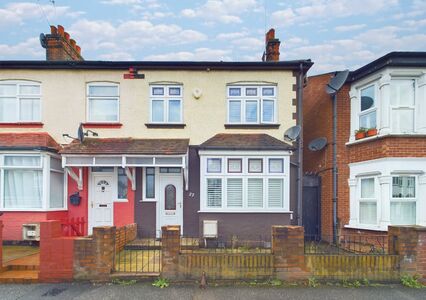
235, 192
275, 192
214, 192
255, 192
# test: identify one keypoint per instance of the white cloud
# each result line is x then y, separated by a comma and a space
231, 35
130, 35
223, 11
116, 56
29, 49
18, 13
199, 54
345, 28
328, 9
121, 2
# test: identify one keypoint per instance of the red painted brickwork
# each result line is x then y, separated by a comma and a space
317, 117
1, 245
289, 254
409, 242
13, 221
56, 253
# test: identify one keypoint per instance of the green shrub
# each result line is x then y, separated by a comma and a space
411, 281
313, 282
161, 283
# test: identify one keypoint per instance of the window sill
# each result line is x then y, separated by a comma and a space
382, 136
245, 211
121, 201
22, 125
367, 227
102, 125
252, 126
148, 201
165, 125
29, 210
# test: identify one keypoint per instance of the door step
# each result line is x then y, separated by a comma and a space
16, 276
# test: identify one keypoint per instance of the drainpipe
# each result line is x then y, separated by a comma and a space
300, 147
335, 171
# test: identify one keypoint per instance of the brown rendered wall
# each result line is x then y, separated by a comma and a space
145, 212
318, 120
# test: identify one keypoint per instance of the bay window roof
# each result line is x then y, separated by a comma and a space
28, 141
245, 142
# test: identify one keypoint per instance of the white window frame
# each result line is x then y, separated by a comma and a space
367, 200
88, 98
20, 97
265, 175
166, 98
403, 107
243, 101
46, 169
372, 109
156, 184
404, 200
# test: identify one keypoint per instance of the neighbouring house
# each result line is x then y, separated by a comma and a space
162, 143
381, 146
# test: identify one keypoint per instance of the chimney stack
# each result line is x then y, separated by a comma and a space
59, 45
272, 47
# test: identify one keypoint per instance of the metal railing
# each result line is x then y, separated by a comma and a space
348, 244
229, 245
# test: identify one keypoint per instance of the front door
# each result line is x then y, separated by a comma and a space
171, 204
101, 206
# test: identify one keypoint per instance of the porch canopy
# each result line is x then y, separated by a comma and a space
127, 153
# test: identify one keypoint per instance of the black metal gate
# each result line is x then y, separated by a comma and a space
311, 212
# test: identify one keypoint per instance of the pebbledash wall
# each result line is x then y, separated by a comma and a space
318, 123
64, 102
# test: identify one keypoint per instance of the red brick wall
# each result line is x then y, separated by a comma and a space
13, 221
124, 235
56, 253
318, 120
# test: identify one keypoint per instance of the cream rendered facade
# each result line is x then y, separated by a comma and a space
64, 101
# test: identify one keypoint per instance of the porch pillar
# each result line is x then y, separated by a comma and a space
1, 246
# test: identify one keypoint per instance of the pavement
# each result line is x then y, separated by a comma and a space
174, 292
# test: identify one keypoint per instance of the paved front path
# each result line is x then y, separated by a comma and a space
146, 291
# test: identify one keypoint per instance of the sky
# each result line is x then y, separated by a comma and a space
335, 34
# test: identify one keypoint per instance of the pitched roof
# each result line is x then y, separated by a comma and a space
28, 141
261, 141
128, 146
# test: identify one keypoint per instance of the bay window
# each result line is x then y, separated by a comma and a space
244, 183
367, 201
367, 115
166, 104
402, 96
20, 101
31, 182
252, 104
403, 201
103, 102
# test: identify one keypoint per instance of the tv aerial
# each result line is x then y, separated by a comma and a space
81, 134
292, 134
317, 144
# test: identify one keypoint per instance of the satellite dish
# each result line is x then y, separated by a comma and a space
43, 40
80, 133
336, 82
317, 144
291, 134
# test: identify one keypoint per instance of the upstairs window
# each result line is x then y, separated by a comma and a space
367, 115
252, 104
20, 101
402, 101
166, 104
103, 102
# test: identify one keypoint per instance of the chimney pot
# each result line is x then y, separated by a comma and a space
67, 36
53, 30
61, 30
78, 49
272, 47
73, 43
270, 35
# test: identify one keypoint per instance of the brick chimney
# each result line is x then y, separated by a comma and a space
59, 45
272, 47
